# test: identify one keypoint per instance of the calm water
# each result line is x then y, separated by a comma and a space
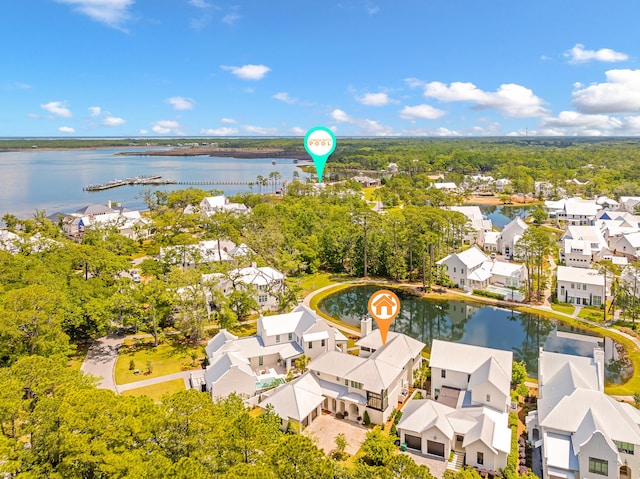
501, 216
461, 322
53, 180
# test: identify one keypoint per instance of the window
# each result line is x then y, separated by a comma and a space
584, 287
480, 458
488, 397
260, 360
290, 336
598, 466
625, 447
597, 300
323, 342
378, 402
443, 373
356, 385
461, 270
573, 285
454, 269
277, 338
263, 298
310, 344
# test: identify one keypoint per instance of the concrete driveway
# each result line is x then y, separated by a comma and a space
101, 360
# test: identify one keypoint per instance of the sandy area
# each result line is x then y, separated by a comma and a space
495, 200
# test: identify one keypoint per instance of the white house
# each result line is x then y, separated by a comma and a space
582, 432
502, 184
627, 245
352, 385
220, 203
468, 412
573, 211
629, 203
581, 245
128, 222
208, 251
477, 223
445, 186
510, 235
265, 282
472, 269
249, 365
580, 286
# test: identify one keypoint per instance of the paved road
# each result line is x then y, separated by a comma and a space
101, 361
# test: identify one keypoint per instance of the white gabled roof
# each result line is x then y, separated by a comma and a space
297, 399
580, 275
490, 371
471, 257
467, 358
516, 224
422, 414
221, 364
219, 340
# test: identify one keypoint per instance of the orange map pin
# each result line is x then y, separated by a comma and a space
384, 306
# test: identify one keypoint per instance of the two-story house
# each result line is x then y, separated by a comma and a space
582, 432
510, 235
581, 286
468, 410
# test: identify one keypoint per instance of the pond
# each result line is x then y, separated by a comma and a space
502, 215
462, 322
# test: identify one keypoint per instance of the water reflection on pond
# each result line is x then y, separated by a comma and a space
502, 215
462, 322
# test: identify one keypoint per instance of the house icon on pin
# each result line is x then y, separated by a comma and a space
384, 306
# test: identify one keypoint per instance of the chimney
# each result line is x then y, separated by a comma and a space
366, 326
109, 204
598, 358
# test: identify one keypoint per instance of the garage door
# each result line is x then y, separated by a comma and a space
414, 442
435, 448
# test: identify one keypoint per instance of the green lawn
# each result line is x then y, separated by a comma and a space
563, 308
368, 193
156, 391
591, 314
170, 357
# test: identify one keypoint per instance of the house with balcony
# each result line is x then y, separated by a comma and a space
348, 385
265, 283
468, 413
510, 235
582, 432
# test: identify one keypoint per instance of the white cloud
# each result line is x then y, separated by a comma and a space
113, 121
620, 93
574, 119
199, 3
571, 123
16, 86
340, 116
66, 129
414, 82
228, 121
374, 99
248, 72
181, 103
110, 12
167, 127
224, 131
231, 18
259, 130
425, 112
373, 10
579, 55
297, 131
283, 96
510, 99
58, 108
366, 126
95, 110
143, 132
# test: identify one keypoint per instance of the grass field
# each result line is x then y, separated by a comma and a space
156, 391
591, 314
563, 308
170, 357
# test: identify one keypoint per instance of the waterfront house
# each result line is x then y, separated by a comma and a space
216, 204
348, 385
573, 211
467, 415
477, 225
580, 431
581, 245
581, 286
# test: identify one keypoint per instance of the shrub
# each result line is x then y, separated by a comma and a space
365, 418
488, 294
132, 365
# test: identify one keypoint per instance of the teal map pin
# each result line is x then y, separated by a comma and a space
320, 143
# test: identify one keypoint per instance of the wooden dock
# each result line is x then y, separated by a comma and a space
157, 180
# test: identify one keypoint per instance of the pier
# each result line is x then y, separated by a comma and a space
157, 180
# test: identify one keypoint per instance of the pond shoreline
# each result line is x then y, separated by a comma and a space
630, 343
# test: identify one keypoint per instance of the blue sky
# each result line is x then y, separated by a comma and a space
360, 67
